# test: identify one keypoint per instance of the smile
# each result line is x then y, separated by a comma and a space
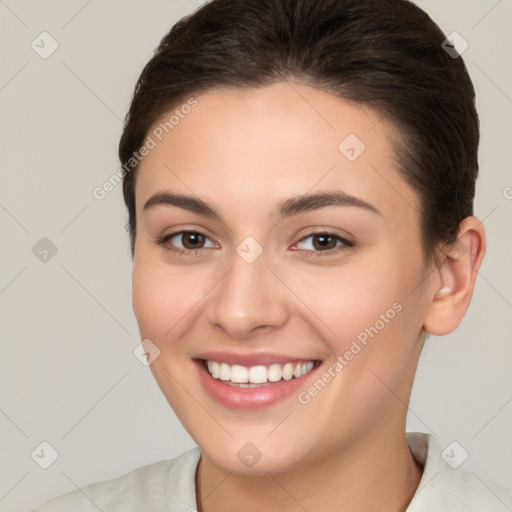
257, 376
254, 381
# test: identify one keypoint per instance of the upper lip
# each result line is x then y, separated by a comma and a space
248, 360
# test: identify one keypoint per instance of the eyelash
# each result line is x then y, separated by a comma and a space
347, 244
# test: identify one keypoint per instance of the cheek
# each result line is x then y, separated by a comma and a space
366, 312
348, 300
161, 297
370, 326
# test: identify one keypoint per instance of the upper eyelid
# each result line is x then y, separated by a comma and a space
345, 241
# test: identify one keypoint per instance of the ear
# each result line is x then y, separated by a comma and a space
454, 279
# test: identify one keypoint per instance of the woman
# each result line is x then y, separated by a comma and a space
299, 177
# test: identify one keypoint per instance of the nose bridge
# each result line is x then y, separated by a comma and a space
248, 296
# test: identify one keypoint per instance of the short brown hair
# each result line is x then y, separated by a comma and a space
386, 54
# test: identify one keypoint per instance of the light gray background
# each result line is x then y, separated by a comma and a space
68, 373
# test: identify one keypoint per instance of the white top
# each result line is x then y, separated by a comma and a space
169, 486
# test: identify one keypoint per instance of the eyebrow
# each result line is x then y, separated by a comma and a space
291, 206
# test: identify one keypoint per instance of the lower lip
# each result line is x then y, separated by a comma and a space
250, 398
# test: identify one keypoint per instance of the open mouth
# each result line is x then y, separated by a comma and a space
257, 376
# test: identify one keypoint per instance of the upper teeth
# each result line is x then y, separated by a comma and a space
258, 374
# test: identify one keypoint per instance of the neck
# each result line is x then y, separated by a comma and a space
368, 476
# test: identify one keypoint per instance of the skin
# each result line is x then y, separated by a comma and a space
243, 152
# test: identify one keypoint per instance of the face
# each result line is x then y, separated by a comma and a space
278, 245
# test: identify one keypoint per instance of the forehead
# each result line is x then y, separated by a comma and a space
257, 146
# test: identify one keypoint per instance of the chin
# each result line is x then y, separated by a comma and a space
258, 458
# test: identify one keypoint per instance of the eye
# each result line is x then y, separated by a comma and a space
189, 243
324, 243
185, 242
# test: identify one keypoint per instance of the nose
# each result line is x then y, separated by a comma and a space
248, 299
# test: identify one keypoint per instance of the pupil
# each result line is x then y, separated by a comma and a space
192, 240
323, 241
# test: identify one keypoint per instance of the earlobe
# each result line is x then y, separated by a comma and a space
455, 278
